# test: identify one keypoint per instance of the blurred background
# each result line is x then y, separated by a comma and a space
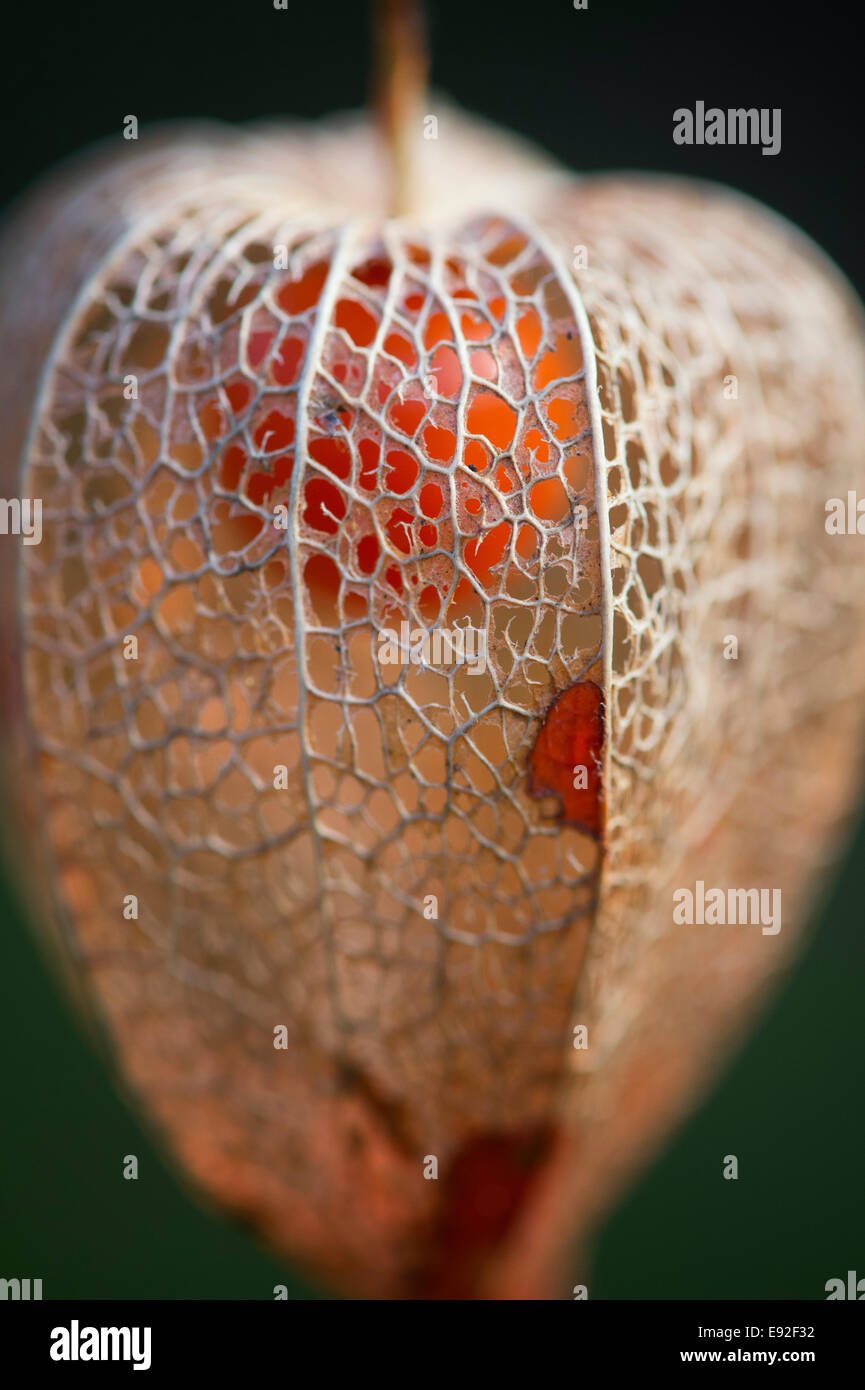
597, 88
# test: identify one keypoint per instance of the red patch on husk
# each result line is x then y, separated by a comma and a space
572, 737
486, 1189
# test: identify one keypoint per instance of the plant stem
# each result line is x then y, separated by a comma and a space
400, 72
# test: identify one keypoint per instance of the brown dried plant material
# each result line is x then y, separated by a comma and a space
389, 861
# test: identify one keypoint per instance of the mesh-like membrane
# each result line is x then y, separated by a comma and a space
423, 903
405, 902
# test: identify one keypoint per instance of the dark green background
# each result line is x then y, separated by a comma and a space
597, 89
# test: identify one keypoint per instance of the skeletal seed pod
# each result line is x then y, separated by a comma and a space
462, 429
